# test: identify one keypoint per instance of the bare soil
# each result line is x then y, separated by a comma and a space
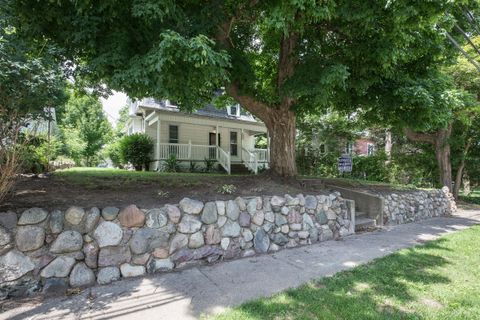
60, 192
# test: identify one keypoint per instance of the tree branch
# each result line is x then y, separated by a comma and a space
419, 137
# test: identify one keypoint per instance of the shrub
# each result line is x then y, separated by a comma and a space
171, 164
137, 150
113, 152
209, 163
227, 189
193, 167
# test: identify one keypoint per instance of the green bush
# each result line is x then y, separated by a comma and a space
171, 164
113, 152
137, 150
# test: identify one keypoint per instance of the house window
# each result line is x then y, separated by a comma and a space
233, 143
322, 148
349, 147
234, 110
172, 134
370, 149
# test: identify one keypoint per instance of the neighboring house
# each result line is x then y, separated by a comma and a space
226, 135
362, 146
43, 126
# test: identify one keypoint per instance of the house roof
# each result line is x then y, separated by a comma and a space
207, 111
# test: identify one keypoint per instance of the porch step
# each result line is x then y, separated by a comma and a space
363, 222
239, 168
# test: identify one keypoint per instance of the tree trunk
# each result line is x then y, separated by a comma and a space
467, 189
442, 153
461, 166
388, 145
441, 144
281, 128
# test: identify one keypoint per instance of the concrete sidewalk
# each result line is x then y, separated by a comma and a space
210, 289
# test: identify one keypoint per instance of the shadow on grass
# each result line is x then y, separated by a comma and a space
378, 290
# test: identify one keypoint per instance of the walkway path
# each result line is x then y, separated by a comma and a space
209, 289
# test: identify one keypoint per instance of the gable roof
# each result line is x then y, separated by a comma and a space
207, 111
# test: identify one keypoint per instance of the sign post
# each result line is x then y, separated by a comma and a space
345, 163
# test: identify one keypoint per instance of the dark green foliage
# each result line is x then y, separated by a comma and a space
136, 149
193, 166
171, 164
113, 152
209, 164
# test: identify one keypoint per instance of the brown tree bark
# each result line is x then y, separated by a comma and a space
439, 140
461, 167
279, 119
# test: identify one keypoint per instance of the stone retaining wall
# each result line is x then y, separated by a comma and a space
404, 207
49, 252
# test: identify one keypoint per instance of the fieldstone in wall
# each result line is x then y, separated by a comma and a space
32, 216
160, 253
189, 224
131, 216
93, 216
110, 213
156, 218
56, 221
209, 214
196, 240
74, 215
261, 241
220, 207
221, 221
108, 234
5, 236
8, 220
191, 206
270, 216
252, 206
231, 229
127, 270
81, 276
112, 256
212, 235
247, 235
147, 239
160, 265
14, 265
173, 213
244, 219
233, 211
179, 241
67, 241
277, 203
280, 239
55, 287
29, 238
107, 275
280, 219
322, 217
258, 218
90, 250
58, 268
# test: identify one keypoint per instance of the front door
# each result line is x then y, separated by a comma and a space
212, 141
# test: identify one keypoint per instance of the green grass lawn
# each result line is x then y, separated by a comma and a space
440, 280
473, 197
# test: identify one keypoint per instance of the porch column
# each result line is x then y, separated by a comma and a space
158, 144
217, 145
241, 146
268, 147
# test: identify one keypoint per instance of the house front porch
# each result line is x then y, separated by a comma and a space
195, 139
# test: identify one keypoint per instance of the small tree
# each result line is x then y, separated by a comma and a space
137, 150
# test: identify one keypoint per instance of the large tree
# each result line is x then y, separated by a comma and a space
85, 127
276, 58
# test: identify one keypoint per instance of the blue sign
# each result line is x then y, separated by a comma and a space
345, 163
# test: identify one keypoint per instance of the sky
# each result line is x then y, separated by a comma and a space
113, 104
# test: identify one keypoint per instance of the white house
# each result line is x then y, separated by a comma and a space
226, 135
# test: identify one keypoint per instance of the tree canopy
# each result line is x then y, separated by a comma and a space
276, 58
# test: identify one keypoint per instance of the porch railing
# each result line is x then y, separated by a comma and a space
224, 159
262, 154
194, 152
250, 160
